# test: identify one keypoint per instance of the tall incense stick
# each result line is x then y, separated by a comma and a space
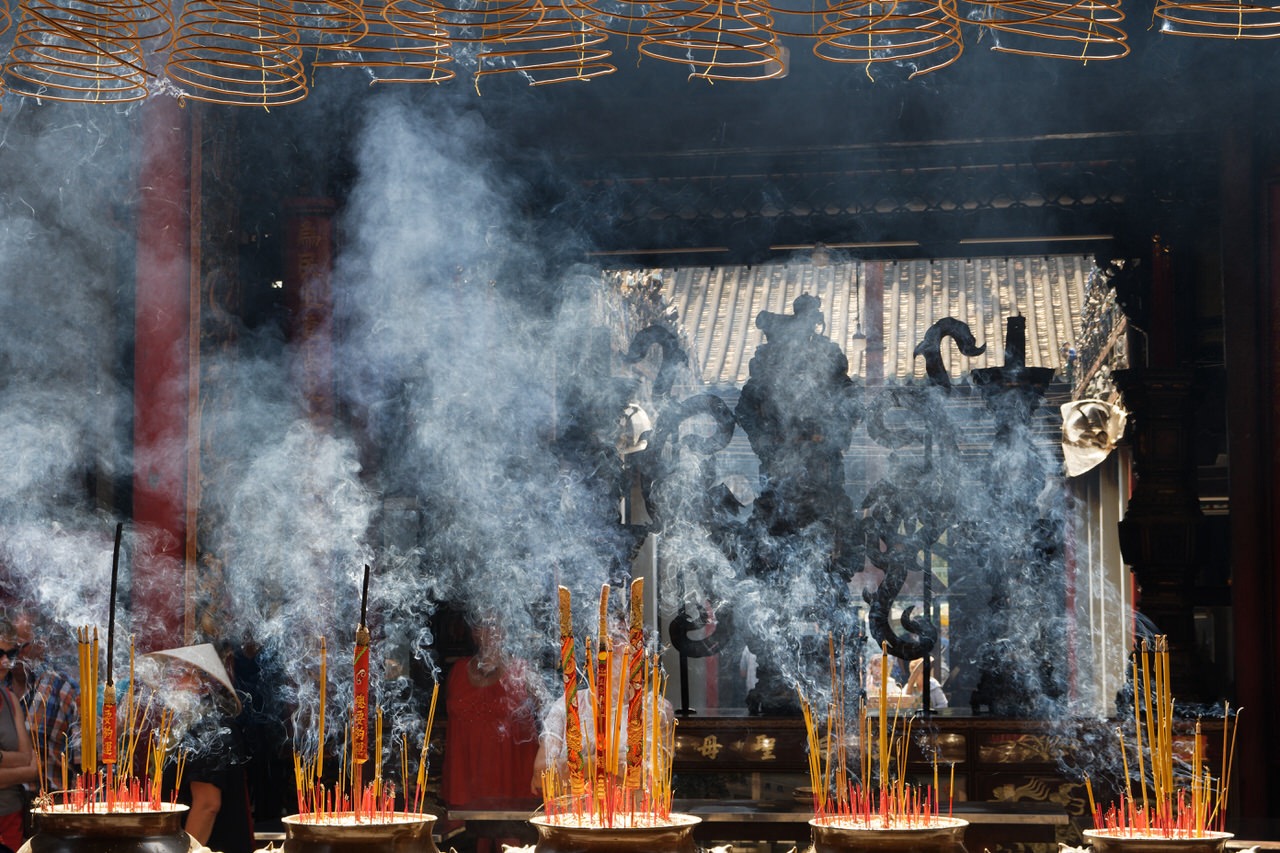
602, 682
360, 710
635, 679
569, 672
109, 693
111, 603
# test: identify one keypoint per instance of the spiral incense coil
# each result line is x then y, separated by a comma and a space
719, 41
395, 48
239, 53
627, 18
559, 48
473, 21
86, 51
1220, 20
923, 35
796, 24
1083, 30
6, 20
797, 19
330, 24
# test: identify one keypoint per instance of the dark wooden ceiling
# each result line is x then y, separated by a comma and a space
996, 151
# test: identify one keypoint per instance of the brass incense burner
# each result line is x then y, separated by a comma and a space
568, 836
400, 832
61, 829
1104, 841
937, 835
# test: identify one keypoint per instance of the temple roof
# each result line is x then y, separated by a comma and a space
717, 307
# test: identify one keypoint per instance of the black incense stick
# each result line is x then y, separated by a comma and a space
364, 595
111, 605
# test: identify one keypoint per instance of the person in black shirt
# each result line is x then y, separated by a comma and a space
213, 783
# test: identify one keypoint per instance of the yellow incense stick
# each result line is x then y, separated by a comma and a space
324, 687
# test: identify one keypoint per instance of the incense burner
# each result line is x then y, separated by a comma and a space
1103, 841
566, 834
934, 835
62, 829
399, 832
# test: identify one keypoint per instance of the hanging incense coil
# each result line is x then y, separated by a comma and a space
396, 47
627, 18
923, 35
6, 20
796, 19
239, 53
558, 48
1054, 29
719, 40
474, 21
330, 24
1221, 20
87, 51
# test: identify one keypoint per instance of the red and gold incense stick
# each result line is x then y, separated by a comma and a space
635, 681
602, 785
601, 710
360, 683
569, 672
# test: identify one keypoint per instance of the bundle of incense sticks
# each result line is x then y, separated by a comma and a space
877, 794
111, 785
1165, 803
348, 795
623, 697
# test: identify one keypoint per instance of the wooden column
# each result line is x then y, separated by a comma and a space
1159, 531
308, 266
162, 374
1251, 314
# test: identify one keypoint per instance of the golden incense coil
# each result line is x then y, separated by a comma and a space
556, 48
1218, 19
401, 44
1053, 29
718, 40
620, 17
86, 51
239, 53
330, 23
921, 34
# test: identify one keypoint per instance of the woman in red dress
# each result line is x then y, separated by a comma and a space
491, 738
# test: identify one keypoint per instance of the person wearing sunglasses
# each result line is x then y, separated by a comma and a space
17, 761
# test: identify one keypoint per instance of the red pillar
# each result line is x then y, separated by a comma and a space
163, 391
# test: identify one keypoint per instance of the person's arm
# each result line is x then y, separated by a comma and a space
539, 765
17, 766
206, 801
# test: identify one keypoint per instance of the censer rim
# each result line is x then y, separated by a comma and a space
103, 810
1178, 836
382, 819
676, 820
934, 824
